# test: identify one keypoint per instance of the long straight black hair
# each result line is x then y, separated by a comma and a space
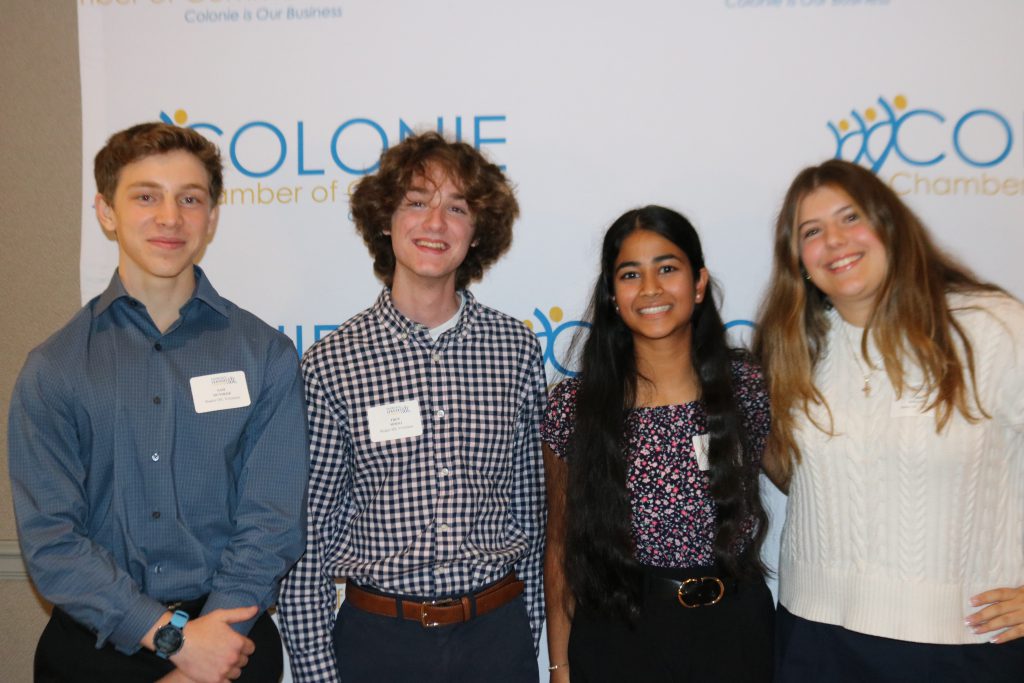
599, 558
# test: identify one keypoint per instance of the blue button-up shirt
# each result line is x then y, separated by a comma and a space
125, 496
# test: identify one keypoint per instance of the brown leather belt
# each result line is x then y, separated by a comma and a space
436, 612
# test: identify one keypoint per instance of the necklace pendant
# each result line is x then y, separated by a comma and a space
867, 386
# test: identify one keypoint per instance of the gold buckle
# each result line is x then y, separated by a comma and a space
424, 606
681, 594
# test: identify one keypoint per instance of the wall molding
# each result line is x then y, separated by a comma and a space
11, 566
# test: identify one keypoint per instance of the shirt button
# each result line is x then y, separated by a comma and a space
444, 527
441, 569
436, 357
444, 471
155, 456
158, 346
156, 400
156, 514
403, 336
157, 569
439, 414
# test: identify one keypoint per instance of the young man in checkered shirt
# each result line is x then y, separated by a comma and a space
426, 478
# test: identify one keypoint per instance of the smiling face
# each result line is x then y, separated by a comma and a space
431, 231
655, 287
162, 216
841, 252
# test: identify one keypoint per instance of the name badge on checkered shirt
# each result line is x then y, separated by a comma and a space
392, 421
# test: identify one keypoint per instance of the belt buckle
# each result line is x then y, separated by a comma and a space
424, 606
681, 593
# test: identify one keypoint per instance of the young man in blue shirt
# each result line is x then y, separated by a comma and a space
158, 446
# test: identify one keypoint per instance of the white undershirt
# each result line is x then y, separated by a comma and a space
436, 332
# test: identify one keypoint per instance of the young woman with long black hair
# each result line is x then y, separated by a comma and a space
652, 454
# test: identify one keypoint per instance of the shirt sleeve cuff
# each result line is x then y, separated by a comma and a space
139, 618
231, 601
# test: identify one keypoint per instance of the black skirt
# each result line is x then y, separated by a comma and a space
731, 640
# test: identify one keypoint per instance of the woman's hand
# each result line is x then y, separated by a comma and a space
1005, 610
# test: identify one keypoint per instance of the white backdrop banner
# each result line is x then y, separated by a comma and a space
706, 106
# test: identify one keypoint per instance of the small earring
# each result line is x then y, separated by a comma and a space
386, 233
474, 243
616, 308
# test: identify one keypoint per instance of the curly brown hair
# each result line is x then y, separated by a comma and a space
489, 194
147, 139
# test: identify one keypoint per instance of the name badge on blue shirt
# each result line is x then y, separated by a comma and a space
221, 391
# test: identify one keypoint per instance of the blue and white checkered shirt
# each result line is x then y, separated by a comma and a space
434, 515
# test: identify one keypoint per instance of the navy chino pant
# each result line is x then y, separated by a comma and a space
494, 648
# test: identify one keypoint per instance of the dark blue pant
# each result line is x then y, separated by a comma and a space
811, 651
494, 648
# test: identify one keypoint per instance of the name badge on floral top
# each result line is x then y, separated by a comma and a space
700, 451
394, 421
222, 391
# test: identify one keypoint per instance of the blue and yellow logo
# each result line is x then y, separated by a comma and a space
259, 149
288, 144
980, 139
551, 328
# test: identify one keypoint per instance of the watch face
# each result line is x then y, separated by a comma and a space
168, 640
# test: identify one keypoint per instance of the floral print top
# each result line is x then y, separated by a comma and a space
673, 520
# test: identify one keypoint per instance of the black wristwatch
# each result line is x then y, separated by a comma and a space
170, 637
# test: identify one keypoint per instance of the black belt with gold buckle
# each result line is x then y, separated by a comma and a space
692, 592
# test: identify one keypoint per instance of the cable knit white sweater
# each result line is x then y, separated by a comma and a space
890, 527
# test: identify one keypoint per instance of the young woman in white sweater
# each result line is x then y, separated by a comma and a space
897, 388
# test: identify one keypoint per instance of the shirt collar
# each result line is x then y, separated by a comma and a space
204, 291
385, 311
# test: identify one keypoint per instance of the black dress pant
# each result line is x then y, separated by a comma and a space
729, 642
67, 653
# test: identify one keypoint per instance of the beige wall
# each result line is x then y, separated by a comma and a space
40, 187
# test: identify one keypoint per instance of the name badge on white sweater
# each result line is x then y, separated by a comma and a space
700, 451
